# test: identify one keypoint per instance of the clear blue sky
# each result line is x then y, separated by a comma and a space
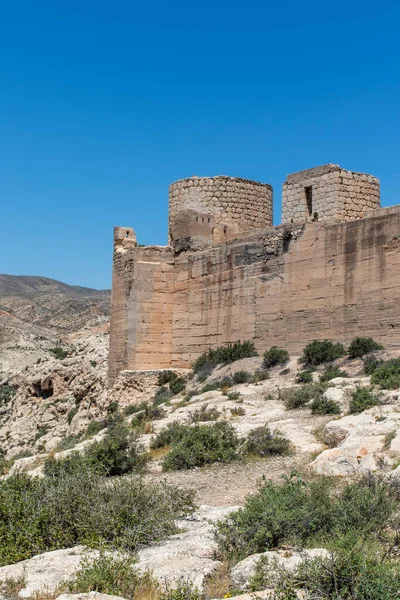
103, 104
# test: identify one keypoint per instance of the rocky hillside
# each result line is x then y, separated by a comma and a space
37, 313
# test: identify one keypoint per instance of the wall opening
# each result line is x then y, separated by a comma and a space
127, 234
308, 193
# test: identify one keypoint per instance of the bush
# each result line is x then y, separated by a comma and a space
163, 394
209, 387
356, 569
224, 355
166, 377
300, 396
202, 445
59, 352
114, 575
204, 414
241, 377
304, 376
43, 514
238, 411
324, 406
71, 414
361, 346
7, 393
148, 412
177, 386
275, 356
331, 372
261, 375
116, 454
317, 353
387, 374
264, 442
94, 428
371, 363
235, 396
173, 432
295, 512
362, 399
225, 382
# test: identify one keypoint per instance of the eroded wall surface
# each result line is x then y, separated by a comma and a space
283, 285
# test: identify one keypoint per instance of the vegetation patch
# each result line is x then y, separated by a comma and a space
201, 445
117, 453
204, 413
241, 377
173, 432
362, 399
387, 374
7, 393
59, 353
305, 376
317, 352
360, 346
264, 442
224, 355
312, 514
75, 507
331, 371
275, 356
297, 397
324, 406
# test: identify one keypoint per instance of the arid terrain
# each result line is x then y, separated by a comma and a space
200, 443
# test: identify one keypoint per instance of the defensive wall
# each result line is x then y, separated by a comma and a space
330, 271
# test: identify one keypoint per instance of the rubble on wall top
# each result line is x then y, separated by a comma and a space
221, 178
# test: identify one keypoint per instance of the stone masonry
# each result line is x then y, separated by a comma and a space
328, 193
331, 276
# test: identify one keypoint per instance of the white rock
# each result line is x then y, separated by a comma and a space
289, 560
89, 596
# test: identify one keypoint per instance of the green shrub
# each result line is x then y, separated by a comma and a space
204, 414
202, 445
371, 363
114, 575
362, 399
238, 411
173, 432
163, 394
261, 375
361, 346
94, 427
387, 374
131, 409
184, 590
177, 386
42, 514
241, 377
71, 414
275, 356
298, 397
355, 569
224, 355
225, 382
59, 352
261, 441
148, 412
113, 408
317, 352
284, 372
324, 406
7, 393
234, 396
68, 442
295, 512
304, 376
209, 387
117, 453
166, 377
42, 430
331, 372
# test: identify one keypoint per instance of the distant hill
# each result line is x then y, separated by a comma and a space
52, 304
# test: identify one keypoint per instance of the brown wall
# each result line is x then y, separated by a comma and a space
283, 285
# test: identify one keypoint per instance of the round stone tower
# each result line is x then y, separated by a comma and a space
203, 210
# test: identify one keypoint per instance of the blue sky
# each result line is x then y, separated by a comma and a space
103, 104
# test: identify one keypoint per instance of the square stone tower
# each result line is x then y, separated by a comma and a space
328, 193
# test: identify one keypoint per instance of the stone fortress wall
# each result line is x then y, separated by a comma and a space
328, 193
334, 277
